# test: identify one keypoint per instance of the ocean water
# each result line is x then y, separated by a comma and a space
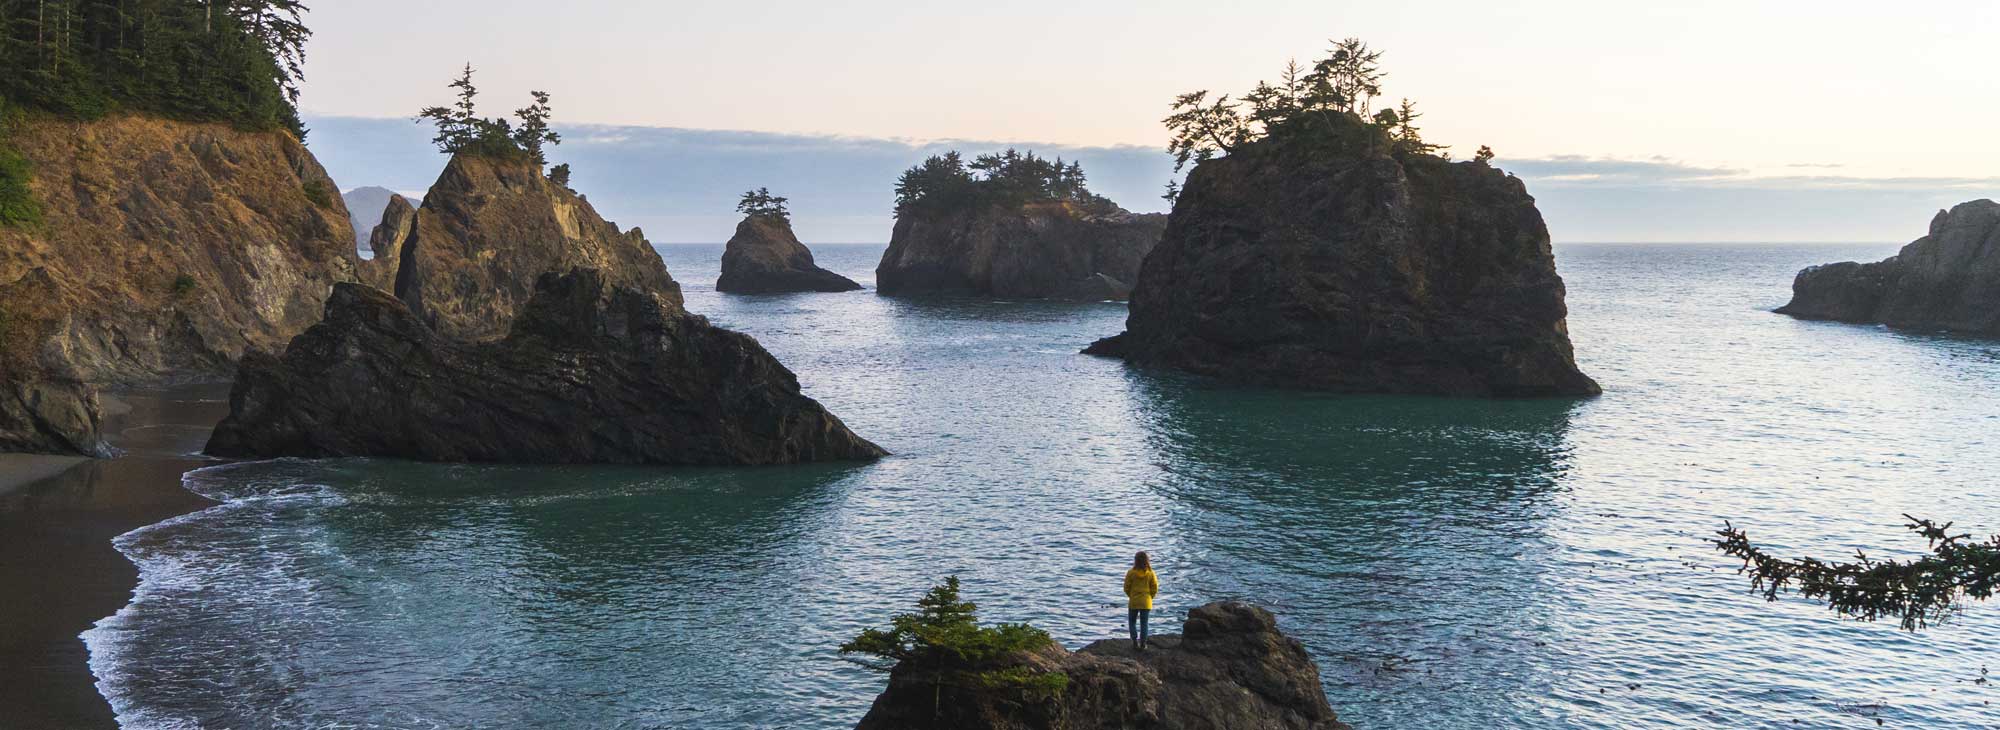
1449, 563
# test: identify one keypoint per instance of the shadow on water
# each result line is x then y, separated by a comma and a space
927, 310
1402, 538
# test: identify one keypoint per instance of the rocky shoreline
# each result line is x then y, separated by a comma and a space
1948, 280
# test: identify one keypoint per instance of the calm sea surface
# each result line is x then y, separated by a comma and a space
1449, 563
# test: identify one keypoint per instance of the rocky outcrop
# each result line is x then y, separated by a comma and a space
171, 247
1948, 280
44, 408
1057, 250
385, 243
765, 257
591, 372
1231, 668
1336, 263
364, 209
489, 227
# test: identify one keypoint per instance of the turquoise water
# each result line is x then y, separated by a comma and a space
1450, 564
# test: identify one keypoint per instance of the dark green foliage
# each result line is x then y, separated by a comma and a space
183, 285
761, 202
1920, 592
318, 193
560, 175
1007, 178
944, 632
237, 61
461, 129
18, 204
1331, 98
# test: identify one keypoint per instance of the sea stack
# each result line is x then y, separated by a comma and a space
489, 227
1948, 280
365, 206
1027, 229
385, 243
590, 372
1331, 258
1231, 668
765, 257
164, 249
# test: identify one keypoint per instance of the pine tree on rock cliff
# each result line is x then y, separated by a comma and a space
461, 129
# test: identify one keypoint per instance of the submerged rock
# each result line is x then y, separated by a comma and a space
490, 227
1231, 668
765, 257
1336, 263
590, 373
1947, 280
1044, 249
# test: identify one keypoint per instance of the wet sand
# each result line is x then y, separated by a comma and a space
58, 571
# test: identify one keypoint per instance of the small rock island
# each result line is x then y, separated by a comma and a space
765, 257
590, 373
1230, 668
1948, 280
1316, 249
1011, 225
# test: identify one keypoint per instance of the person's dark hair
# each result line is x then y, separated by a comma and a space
1141, 561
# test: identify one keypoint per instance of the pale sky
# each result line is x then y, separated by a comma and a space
1773, 95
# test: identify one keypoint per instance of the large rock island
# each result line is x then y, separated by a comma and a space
1023, 227
1947, 280
765, 257
591, 372
1330, 255
1231, 668
164, 249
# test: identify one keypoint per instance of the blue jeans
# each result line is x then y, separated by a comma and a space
1135, 624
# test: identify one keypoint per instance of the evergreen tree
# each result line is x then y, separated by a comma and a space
761, 202
461, 129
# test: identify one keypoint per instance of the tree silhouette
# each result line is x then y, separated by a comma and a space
1919, 592
760, 203
461, 129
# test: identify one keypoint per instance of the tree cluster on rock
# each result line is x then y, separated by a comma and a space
238, 61
1011, 177
460, 128
1304, 101
761, 202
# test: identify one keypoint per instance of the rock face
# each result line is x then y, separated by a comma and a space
385, 243
44, 408
1231, 669
364, 209
1055, 250
590, 373
174, 246
166, 250
1340, 265
1947, 280
489, 227
765, 257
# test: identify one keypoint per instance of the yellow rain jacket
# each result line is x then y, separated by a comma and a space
1140, 587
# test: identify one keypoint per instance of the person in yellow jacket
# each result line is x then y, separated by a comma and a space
1140, 587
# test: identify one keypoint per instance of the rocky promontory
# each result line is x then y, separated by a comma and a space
164, 250
385, 243
1947, 280
591, 372
1230, 668
488, 228
1335, 260
1011, 225
365, 206
765, 257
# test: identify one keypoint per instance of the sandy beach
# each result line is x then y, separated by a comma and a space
57, 565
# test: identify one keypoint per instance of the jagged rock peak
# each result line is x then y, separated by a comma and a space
490, 227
